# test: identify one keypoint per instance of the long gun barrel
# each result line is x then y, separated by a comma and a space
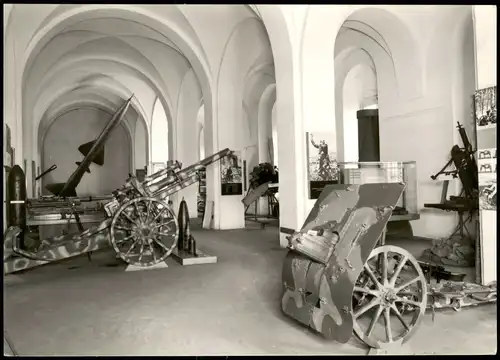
168, 181
169, 185
52, 168
76, 177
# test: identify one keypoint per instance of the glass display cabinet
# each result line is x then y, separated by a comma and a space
389, 172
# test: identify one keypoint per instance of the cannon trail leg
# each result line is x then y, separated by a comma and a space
389, 301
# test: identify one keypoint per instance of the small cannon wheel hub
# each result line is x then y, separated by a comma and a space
389, 297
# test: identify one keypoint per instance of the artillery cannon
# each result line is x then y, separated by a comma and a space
339, 276
139, 225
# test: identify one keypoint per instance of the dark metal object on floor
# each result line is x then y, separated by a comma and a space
186, 252
440, 273
140, 226
334, 273
458, 294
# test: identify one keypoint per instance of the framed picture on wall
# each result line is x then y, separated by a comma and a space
322, 168
231, 174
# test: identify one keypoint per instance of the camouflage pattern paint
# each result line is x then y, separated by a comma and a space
161, 184
352, 218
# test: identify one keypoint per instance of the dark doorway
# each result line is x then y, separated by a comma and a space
368, 135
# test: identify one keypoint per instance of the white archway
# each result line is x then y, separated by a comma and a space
159, 134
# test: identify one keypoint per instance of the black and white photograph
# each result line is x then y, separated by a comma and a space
488, 196
485, 106
228, 180
231, 174
321, 161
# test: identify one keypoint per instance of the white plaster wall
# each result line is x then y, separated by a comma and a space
360, 89
485, 25
159, 134
188, 105
141, 148
247, 43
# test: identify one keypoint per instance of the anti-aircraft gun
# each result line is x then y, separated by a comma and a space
64, 207
138, 224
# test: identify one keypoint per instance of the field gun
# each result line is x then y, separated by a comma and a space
140, 226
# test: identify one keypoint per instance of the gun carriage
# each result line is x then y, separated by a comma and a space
340, 277
136, 221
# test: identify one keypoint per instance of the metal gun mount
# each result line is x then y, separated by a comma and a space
336, 279
140, 227
465, 165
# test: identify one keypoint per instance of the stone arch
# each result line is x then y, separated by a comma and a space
326, 19
106, 107
189, 46
345, 61
356, 94
289, 119
266, 105
72, 66
200, 121
164, 27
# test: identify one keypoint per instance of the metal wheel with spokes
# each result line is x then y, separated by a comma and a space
144, 231
391, 287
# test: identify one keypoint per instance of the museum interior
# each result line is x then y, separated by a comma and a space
249, 179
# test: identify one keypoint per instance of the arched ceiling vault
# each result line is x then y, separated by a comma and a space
69, 44
386, 37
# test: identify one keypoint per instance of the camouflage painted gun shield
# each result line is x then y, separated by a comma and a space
319, 294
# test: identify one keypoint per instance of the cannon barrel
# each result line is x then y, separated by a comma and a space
171, 167
59, 201
164, 185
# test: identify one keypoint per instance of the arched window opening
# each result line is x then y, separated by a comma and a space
274, 136
159, 134
359, 93
200, 120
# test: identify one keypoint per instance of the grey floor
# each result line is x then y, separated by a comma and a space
228, 308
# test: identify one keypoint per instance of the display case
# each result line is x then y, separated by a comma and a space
389, 172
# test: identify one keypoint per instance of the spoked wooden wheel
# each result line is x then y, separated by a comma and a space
391, 287
144, 231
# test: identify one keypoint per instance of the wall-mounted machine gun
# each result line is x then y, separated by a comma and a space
465, 166
466, 170
140, 227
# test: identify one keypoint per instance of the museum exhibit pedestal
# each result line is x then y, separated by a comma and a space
162, 265
185, 258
